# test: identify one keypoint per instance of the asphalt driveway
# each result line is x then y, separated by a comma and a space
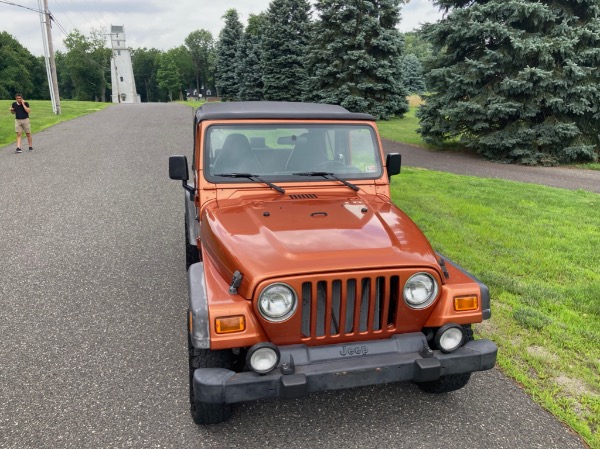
469, 164
93, 328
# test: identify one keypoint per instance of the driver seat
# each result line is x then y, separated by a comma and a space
236, 156
308, 153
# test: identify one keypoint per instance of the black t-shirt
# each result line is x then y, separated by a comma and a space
20, 112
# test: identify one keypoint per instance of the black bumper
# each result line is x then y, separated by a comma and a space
320, 368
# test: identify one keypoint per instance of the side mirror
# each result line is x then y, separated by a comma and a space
393, 163
178, 168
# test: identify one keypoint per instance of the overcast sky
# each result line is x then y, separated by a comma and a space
150, 23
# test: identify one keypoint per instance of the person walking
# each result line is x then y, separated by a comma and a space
21, 110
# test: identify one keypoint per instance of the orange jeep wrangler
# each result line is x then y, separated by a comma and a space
303, 275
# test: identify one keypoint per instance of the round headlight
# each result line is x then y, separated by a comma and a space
277, 302
262, 358
449, 337
420, 290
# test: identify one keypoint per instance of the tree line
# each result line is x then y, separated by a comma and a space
264, 60
518, 80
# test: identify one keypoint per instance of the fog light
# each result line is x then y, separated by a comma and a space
262, 358
449, 337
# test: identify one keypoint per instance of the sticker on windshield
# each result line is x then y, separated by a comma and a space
370, 169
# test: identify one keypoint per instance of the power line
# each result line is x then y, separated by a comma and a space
20, 6
65, 13
52, 18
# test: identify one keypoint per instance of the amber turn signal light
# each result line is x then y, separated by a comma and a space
228, 324
462, 303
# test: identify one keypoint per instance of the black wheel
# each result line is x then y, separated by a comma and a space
451, 382
192, 254
205, 358
445, 384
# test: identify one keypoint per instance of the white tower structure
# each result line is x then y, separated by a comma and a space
121, 69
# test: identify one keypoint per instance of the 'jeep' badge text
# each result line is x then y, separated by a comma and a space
354, 350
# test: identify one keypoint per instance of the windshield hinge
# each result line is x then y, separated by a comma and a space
236, 281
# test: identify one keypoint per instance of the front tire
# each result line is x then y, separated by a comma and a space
451, 382
445, 384
203, 413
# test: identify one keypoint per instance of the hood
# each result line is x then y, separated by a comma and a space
271, 239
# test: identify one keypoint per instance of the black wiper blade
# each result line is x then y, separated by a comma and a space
326, 174
251, 177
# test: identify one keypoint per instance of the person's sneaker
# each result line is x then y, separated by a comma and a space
18, 150
30, 148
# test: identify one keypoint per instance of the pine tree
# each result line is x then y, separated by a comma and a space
412, 74
356, 55
284, 45
229, 38
249, 68
518, 80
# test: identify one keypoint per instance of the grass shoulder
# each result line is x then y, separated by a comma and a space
42, 116
536, 248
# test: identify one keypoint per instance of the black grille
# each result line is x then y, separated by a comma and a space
349, 306
303, 196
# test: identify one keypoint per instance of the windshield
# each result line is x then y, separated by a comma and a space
282, 152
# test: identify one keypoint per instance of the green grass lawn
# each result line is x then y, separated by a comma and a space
538, 249
42, 116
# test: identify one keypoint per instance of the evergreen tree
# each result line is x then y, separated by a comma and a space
518, 80
249, 69
229, 38
356, 55
284, 45
412, 74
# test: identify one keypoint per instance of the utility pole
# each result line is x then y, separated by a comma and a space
45, 19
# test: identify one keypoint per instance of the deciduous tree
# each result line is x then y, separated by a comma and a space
200, 44
88, 61
168, 76
16, 68
146, 63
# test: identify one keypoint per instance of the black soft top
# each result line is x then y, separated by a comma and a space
236, 110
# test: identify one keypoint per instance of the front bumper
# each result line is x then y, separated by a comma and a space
318, 368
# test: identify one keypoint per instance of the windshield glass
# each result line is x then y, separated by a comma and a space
278, 151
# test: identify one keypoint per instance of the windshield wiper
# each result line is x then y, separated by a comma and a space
325, 174
251, 177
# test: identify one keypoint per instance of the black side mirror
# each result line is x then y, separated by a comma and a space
393, 162
178, 168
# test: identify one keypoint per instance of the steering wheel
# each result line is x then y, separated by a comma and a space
324, 164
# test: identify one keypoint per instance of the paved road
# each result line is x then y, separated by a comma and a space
469, 164
92, 317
